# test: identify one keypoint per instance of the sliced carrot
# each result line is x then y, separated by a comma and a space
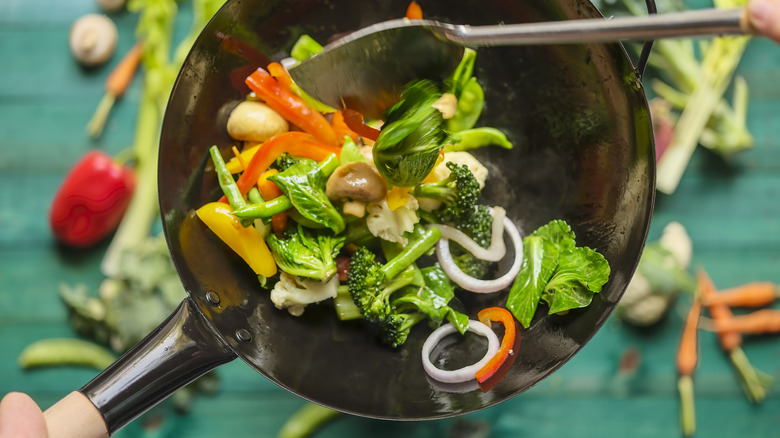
753, 294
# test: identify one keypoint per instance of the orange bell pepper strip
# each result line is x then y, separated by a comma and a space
269, 191
247, 242
497, 314
341, 128
293, 142
282, 100
354, 121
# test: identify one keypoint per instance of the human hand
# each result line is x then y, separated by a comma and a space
764, 16
20, 417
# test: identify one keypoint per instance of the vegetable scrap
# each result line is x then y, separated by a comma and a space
368, 202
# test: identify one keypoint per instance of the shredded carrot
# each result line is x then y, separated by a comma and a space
414, 11
753, 294
720, 312
758, 322
240, 159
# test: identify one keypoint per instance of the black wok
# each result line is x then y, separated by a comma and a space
583, 152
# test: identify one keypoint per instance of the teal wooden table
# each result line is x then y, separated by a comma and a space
731, 210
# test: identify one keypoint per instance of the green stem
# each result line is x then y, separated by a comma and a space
264, 209
306, 421
687, 409
346, 309
412, 252
226, 181
754, 388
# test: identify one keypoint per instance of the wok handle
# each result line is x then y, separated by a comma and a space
180, 350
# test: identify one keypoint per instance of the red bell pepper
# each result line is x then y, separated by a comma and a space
354, 120
497, 314
277, 94
92, 200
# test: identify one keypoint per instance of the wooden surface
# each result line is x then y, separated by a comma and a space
731, 210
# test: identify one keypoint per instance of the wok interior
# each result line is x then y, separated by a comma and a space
577, 116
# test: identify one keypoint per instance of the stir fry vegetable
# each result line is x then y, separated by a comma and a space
364, 208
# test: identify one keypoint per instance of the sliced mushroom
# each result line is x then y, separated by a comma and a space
93, 39
356, 181
255, 121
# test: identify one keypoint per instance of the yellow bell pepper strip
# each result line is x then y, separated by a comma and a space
245, 241
270, 191
396, 197
295, 143
276, 93
497, 314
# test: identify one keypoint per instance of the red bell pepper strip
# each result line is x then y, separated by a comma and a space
497, 314
92, 200
414, 11
279, 97
354, 120
293, 142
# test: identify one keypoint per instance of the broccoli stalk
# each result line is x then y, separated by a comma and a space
371, 285
459, 192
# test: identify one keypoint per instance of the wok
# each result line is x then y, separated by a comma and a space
578, 118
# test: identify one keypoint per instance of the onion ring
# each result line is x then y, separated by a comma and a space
474, 284
468, 372
495, 252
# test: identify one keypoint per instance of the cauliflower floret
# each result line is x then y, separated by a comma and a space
294, 293
441, 171
392, 224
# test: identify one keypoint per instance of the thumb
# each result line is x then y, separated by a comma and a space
20, 417
764, 15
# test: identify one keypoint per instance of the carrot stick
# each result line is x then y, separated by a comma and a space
687, 359
269, 191
758, 322
116, 85
731, 341
753, 294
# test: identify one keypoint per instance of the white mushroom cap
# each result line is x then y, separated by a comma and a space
93, 39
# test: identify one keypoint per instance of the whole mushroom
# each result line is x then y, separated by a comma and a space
93, 39
255, 121
356, 181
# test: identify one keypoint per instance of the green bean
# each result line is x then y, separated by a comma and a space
65, 351
254, 196
479, 137
226, 181
264, 209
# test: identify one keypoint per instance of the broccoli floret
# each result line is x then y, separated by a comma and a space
459, 192
372, 285
478, 225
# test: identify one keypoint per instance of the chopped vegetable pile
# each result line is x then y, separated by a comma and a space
324, 205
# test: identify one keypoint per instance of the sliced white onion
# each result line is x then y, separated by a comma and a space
474, 284
463, 374
495, 252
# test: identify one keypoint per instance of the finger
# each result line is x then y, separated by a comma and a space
20, 417
764, 15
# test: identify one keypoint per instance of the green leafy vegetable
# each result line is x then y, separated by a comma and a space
350, 152
304, 184
305, 47
408, 145
556, 271
471, 101
306, 253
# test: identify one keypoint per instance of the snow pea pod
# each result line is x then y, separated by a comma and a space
470, 103
479, 137
65, 351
